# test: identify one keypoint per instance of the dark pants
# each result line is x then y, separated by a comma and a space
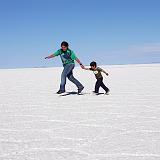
68, 73
99, 84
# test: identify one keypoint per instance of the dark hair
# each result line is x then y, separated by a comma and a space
94, 64
64, 43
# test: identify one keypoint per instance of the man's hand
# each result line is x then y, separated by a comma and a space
82, 66
51, 56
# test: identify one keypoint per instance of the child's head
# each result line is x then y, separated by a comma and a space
93, 65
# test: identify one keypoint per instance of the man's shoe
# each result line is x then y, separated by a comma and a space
60, 92
80, 90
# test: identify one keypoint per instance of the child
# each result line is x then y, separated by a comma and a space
97, 71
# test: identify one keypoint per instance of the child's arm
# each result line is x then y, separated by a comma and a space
105, 72
88, 69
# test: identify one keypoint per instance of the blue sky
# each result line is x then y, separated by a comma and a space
107, 31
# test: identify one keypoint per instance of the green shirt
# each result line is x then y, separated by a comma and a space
67, 57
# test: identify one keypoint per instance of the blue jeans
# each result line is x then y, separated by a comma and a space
68, 73
99, 84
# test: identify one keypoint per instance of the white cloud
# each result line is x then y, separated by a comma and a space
152, 48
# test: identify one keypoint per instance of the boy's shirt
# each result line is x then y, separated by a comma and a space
67, 57
97, 72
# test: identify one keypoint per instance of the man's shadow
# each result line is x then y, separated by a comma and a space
76, 93
70, 93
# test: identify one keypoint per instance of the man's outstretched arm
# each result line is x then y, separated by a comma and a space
50, 56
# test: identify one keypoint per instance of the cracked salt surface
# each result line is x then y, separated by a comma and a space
37, 124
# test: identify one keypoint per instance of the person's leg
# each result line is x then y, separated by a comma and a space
63, 80
104, 87
97, 86
75, 81
67, 69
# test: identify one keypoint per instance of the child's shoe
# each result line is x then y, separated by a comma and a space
95, 93
107, 93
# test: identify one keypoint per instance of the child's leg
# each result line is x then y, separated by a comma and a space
98, 84
104, 87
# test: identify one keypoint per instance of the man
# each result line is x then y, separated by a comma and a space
68, 58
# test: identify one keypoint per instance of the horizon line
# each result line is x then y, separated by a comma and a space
78, 66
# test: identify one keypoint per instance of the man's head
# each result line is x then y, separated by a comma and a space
64, 45
93, 65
